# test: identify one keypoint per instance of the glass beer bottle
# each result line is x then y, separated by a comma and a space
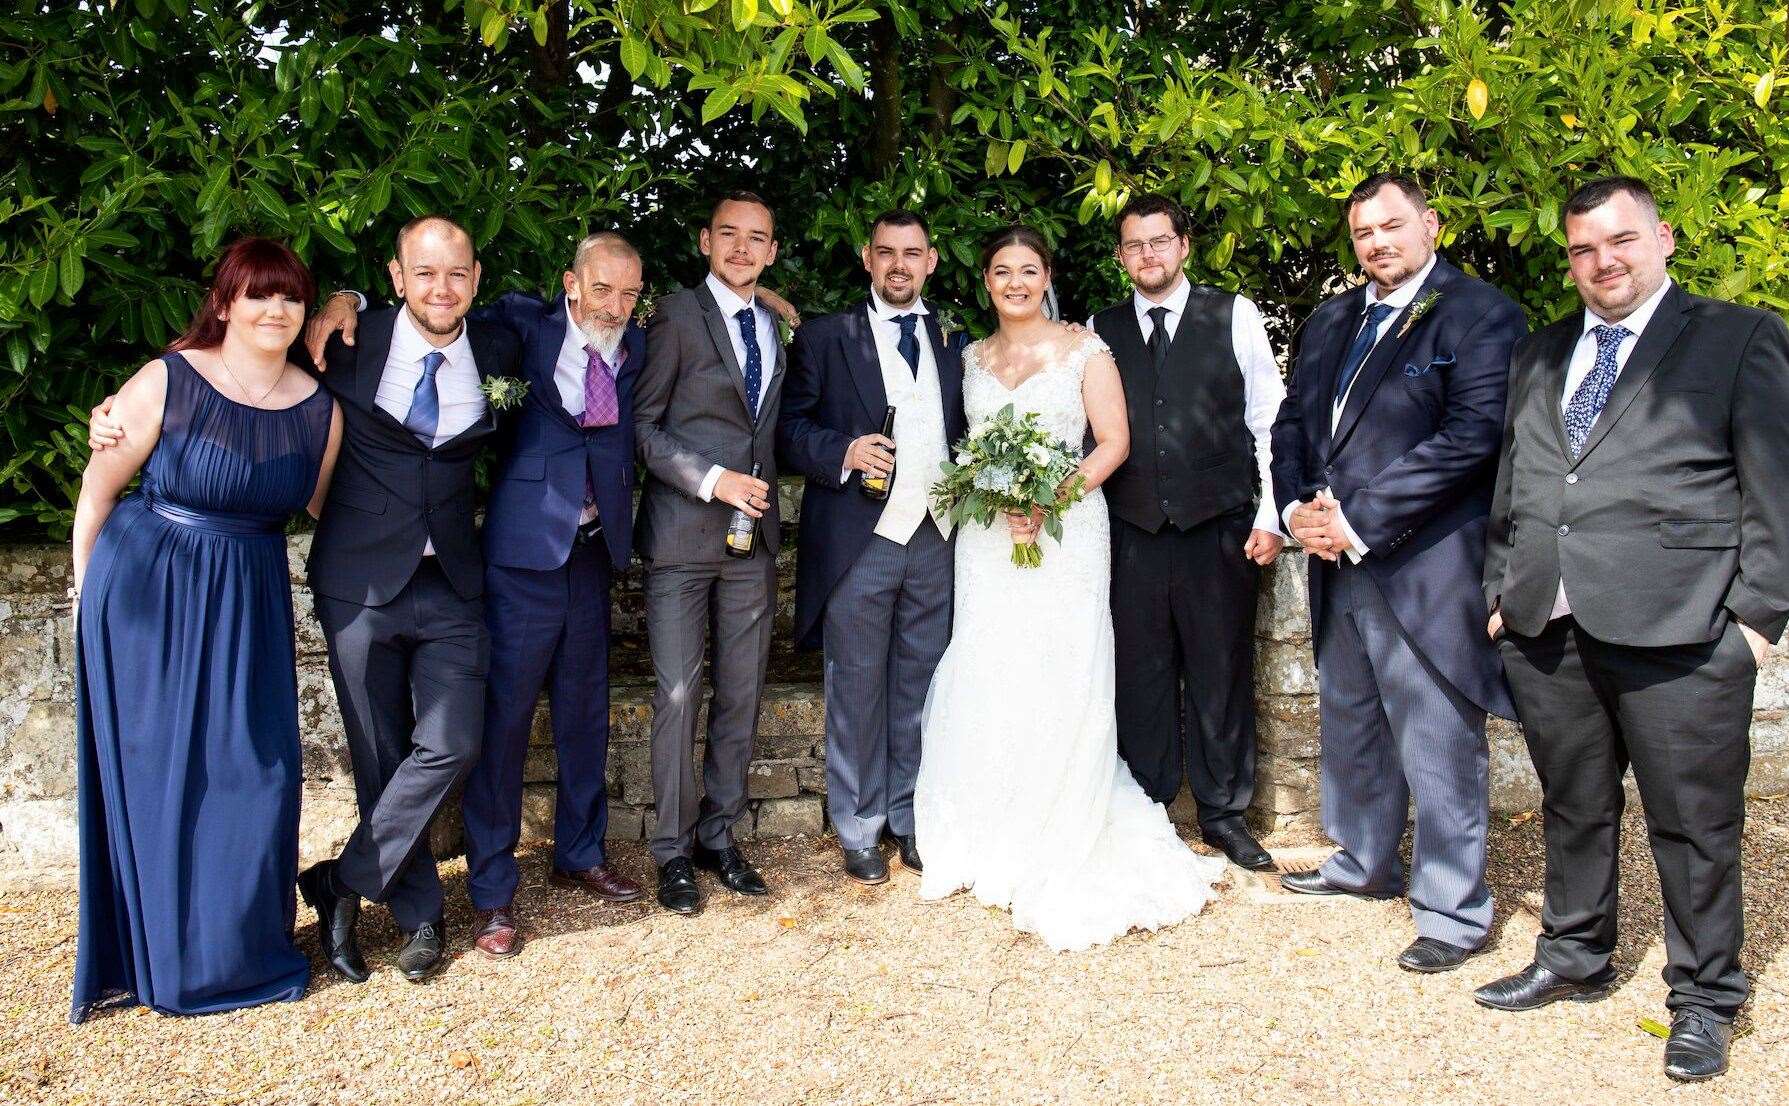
742, 529
876, 487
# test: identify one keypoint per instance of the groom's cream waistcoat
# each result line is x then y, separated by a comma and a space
920, 447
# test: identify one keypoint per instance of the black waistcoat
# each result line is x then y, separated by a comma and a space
1192, 457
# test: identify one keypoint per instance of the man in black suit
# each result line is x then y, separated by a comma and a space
874, 576
398, 580
1383, 460
1636, 576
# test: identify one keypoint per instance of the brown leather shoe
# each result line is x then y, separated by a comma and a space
602, 881
497, 935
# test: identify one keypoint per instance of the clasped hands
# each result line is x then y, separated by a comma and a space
1317, 525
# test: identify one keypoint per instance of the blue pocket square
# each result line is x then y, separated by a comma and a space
1442, 362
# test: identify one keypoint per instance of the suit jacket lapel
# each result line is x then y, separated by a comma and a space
544, 364
1649, 349
1320, 404
486, 360
1384, 356
950, 373
1555, 360
717, 324
865, 363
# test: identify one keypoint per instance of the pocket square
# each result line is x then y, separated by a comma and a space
1442, 362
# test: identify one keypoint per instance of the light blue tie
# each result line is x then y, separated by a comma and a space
425, 403
1593, 391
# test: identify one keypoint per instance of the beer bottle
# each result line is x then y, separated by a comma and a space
876, 487
742, 529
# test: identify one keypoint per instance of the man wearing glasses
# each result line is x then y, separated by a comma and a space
1193, 521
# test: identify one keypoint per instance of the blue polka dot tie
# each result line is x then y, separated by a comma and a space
754, 358
1593, 391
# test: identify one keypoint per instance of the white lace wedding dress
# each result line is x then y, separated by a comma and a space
1021, 794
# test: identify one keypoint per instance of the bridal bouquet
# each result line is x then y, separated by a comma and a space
1010, 464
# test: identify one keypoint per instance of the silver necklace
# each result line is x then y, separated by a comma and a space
237, 380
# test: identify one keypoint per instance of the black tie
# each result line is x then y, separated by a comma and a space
1158, 338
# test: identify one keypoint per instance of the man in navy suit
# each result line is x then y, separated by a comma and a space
873, 580
1384, 455
558, 528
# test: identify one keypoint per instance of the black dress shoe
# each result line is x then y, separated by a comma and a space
677, 891
336, 915
1313, 883
733, 868
421, 956
1431, 954
866, 866
908, 846
1534, 987
1239, 845
1697, 1049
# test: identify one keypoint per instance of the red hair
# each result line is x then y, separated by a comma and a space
252, 267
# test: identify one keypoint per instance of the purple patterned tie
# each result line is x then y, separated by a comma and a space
601, 407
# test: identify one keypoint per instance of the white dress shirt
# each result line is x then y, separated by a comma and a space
461, 402
730, 304
568, 377
1397, 299
1584, 359
1263, 389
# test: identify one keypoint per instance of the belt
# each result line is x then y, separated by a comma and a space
217, 522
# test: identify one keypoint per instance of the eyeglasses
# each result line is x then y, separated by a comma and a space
1160, 244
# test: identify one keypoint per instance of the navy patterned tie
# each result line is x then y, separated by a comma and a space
425, 402
754, 359
1363, 345
1593, 391
909, 341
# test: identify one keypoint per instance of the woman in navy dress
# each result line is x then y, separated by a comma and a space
188, 699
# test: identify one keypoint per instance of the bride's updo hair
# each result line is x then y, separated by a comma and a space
1016, 235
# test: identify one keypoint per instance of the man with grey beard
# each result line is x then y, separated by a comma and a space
558, 528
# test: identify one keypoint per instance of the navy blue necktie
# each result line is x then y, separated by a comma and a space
909, 341
425, 402
1593, 391
754, 360
1363, 345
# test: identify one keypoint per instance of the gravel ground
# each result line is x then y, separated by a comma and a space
828, 992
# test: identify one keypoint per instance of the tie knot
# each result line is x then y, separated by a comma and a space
1377, 312
1607, 335
432, 361
1159, 315
745, 316
597, 360
908, 322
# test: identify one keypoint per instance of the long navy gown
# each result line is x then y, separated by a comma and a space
188, 714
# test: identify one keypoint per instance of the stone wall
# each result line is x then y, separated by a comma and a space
37, 774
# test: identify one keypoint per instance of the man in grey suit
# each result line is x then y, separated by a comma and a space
705, 408
1636, 576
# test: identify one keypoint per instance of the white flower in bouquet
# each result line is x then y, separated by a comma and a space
1010, 465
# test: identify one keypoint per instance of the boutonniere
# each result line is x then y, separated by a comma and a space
948, 326
646, 306
1417, 311
784, 332
504, 392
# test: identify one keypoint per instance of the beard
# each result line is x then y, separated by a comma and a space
1154, 285
605, 336
895, 298
423, 324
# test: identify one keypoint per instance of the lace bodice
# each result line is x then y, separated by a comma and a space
1053, 392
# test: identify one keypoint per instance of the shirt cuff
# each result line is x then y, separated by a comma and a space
1286, 517
708, 483
844, 475
1265, 519
359, 300
1356, 548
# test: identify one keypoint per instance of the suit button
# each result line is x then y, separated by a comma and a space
1161, 453
1571, 478
1159, 402
1161, 429
1164, 504
1564, 530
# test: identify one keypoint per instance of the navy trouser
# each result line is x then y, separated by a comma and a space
548, 628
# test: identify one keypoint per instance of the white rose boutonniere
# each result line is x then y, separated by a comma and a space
1417, 311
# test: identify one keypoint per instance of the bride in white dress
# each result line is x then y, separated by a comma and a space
1021, 796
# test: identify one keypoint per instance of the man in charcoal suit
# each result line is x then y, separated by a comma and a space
1383, 460
1636, 577
873, 582
399, 585
705, 412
